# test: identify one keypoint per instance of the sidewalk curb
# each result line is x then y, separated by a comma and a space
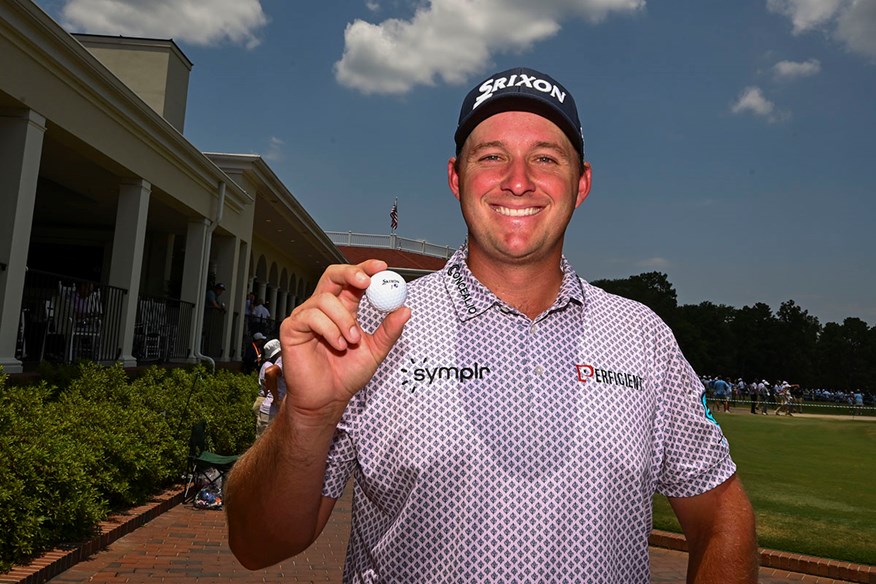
112, 528
58, 560
834, 569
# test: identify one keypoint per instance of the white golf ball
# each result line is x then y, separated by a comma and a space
387, 291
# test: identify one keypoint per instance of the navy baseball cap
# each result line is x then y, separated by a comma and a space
520, 89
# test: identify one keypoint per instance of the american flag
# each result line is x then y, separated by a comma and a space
393, 216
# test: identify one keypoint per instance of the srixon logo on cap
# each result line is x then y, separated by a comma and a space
491, 86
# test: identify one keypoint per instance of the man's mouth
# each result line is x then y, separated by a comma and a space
509, 212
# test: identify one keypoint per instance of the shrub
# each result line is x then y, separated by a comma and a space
69, 455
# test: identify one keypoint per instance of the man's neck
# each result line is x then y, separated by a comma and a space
530, 288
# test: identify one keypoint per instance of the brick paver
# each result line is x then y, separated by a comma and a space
187, 545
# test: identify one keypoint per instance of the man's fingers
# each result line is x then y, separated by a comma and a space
340, 277
325, 316
389, 332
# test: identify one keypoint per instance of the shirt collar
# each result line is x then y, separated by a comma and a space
470, 298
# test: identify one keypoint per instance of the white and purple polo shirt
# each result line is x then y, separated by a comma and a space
489, 447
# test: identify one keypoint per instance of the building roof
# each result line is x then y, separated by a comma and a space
395, 258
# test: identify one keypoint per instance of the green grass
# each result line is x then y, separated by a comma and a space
812, 483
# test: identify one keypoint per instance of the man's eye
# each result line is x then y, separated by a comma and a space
545, 159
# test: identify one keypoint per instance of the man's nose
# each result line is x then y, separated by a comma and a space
518, 180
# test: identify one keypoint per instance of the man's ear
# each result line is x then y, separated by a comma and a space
453, 177
584, 182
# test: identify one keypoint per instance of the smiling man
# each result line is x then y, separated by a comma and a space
543, 466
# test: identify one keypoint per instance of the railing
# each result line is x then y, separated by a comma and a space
351, 239
212, 332
66, 319
267, 326
163, 329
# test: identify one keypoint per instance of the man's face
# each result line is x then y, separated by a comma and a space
518, 181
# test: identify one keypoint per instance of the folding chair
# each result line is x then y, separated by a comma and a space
201, 459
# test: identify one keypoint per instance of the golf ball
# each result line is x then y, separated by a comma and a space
387, 291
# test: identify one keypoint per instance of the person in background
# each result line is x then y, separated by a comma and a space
272, 386
213, 295
85, 303
252, 354
763, 396
858, 398
722, 394
752, 396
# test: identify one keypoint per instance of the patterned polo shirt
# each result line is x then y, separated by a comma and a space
490, 447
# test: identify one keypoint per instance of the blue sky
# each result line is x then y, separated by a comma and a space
733, 144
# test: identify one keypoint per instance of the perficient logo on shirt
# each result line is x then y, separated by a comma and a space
422, 373
587, 372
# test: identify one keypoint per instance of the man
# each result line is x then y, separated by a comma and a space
763, 395
858, 399
252, 354
722, 394
272, 386
786, 399
261, 310
213, 295
260, 319
752, 396
515, 427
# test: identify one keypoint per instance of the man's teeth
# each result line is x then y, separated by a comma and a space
517, 212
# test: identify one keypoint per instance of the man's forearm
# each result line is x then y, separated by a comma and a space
728, 556
720, 532
274, 491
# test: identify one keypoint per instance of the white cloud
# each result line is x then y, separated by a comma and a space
795, 69
856, 27
275, 152
805, 14
655, 263
753, 101
372, 6
851, 22
193, 21
451, 40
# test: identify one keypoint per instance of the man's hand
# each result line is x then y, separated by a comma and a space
329, 357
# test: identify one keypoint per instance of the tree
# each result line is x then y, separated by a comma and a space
796, 344
754, 329
706, 337
652, 289
845, 356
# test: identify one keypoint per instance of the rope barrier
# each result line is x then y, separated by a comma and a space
798, 406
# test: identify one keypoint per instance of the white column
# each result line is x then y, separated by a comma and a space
272, 298
168, 262
242, 284
282, 298
126, 265
262, 290
193, 266
225, 255
21, 145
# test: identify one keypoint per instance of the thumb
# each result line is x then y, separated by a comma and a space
389, 332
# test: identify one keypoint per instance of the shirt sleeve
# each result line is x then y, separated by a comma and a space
695, 454
341, 461
342, 456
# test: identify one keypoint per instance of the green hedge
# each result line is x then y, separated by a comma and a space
70, 455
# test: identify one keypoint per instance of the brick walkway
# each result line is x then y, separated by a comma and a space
186, 545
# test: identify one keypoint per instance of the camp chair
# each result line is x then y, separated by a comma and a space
202, 459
